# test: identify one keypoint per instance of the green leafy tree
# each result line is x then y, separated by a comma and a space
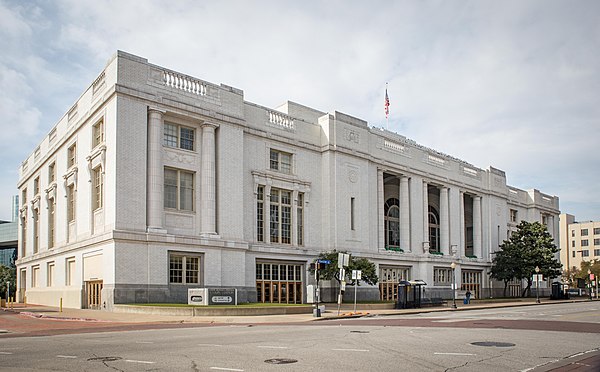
503, 267
593, 266
529, 247
8, 274
331, 271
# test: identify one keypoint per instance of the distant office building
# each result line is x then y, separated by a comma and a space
154, 182
9, 236
579, 241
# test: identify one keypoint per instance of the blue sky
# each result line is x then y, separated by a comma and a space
511, 84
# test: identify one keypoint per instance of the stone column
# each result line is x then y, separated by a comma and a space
415, 188
155, 174
267, 213
461, 245
380, 216
477, 226
404, 215
444, 222
425, 217
295, 216
208, 204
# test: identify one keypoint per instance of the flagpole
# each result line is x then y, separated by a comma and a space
387, 109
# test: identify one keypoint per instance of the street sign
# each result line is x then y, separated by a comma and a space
356, 274
592, 276
326, 262
537, 278
343, 260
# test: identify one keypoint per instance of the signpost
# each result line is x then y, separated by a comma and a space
318, 290
356, 275
343, 261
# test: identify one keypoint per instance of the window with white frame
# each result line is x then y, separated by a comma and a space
97, 188
50, 274
51, 223
442, 276
596, 252
300, 218
70, 271
584, 243
184, 268
178, 136
72, 155
98, 133
596, 230
36, 186
389, 278
51, 173
392, 223
36, 230
71, 195
35, 276
280, 161
179, 189
584, 232
585, 253
596, 241
280, 216
513, 215
260, 214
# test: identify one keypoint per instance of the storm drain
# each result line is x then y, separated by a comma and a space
104, 359
280, 361
493, 344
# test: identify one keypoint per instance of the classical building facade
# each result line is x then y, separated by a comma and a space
154, 182
579, 241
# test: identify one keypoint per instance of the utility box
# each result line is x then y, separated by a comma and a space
212, 296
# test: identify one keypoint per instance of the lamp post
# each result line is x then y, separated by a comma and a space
590, 279
537, 284
453, 266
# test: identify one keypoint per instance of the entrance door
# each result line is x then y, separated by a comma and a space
93, 294
22, 286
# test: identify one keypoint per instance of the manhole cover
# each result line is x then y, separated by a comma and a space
359, 331
493, 344
104, 359
280, 361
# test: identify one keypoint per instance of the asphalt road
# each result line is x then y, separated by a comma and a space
423, 342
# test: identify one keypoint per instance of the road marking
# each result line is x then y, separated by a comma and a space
453, 354
273, 347
453, 320
349, 350
67, 356
216, 345
539, 365
139, 361
5, 353
227, 369
144, 342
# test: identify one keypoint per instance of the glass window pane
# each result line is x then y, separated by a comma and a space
170, 188
170, 135
274, 160
187, 191
186, 140
176, 269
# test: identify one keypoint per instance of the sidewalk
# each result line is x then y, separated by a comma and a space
330, 313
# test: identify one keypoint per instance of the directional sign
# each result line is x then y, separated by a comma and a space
356, 274
326, 262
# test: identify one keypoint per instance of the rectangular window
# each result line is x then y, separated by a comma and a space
280, 216
442, 276
584, 243
513, 215
184, 269
36, 186
71, 203
98, 133
352, 214
179, 189
596, 252
300, 222
51, 173
585, 253
97, 188
279, 282
596, 230
35, 276
596, 241
178, 136
72, 155
24, 197
51, 224
70, 274
260, 214
573, 243
544, 220
574, 254
572, 233
584, 232
389, 278
36, 230
50, 274
280, 161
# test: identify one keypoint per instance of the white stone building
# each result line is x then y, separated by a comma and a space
154, 182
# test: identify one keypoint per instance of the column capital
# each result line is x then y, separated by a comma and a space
152, 109
206, 124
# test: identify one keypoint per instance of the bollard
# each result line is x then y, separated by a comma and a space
61, 304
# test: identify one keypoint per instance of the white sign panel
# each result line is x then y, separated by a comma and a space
356, 274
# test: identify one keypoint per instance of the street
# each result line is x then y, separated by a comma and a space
507, 340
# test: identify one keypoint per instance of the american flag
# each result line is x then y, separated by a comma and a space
387, 104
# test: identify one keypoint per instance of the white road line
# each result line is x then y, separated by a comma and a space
67, 356
349, 350
453, 354
5, 353
227, 369
215, 345
273, 347
139, 361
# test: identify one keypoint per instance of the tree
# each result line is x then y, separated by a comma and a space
529, 247
331, 271
8, 274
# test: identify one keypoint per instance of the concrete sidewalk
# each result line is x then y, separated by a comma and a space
330, 313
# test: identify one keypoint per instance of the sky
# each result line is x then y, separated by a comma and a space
511, 84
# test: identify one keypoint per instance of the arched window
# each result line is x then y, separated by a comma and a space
392, 223
434, 230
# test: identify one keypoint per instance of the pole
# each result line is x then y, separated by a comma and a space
453, 266
537, 288
355, 288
